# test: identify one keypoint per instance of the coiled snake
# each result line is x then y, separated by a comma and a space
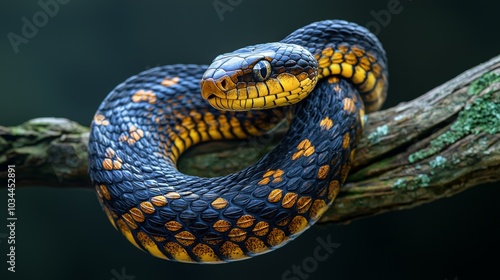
338, 70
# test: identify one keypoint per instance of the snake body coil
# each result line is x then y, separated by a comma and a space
337, 69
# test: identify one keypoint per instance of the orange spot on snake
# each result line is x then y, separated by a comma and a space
351, 58
346, 141
134, 134
173, 195
337, 88
117, 165
130, 221
158, 238
264, 181
99, 193
275, 174
337, 58
138, 134
297, 154
309, 151
147, 207
237, 235
185, 238
343, 48
277, 179
304, 148
303, 204
349, 105
289, 200
377, 70
261, 228
173, 226
327, 52
323, 171
105, 192
278, 173
297, 224
144, 95
100, 120
268, 173
159, 200
231, 251
275, 195
245, 221
371, 57
317, 209
219, 203
255, 245
222, 225
137, 215
167, 82
110, 164
357, 50
276, 237
326, 123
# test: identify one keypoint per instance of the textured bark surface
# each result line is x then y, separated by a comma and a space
437, 145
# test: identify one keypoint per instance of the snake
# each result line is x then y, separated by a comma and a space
322, 79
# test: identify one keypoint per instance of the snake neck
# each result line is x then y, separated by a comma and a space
349, 51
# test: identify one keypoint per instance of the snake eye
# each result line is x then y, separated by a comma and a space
262, 70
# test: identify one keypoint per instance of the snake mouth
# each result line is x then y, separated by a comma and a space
258, 103
284, 90
210, 96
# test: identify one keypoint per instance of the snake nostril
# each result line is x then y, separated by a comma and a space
223, 84
210, 96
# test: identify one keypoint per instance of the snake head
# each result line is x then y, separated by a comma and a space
260, 77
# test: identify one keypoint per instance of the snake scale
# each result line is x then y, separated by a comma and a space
322, 77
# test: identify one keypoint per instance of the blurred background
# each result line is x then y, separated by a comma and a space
83, 49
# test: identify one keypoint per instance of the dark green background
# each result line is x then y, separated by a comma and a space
91, 46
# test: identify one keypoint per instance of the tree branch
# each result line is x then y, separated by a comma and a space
437, 145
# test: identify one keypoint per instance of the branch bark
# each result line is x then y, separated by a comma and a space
437, 145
